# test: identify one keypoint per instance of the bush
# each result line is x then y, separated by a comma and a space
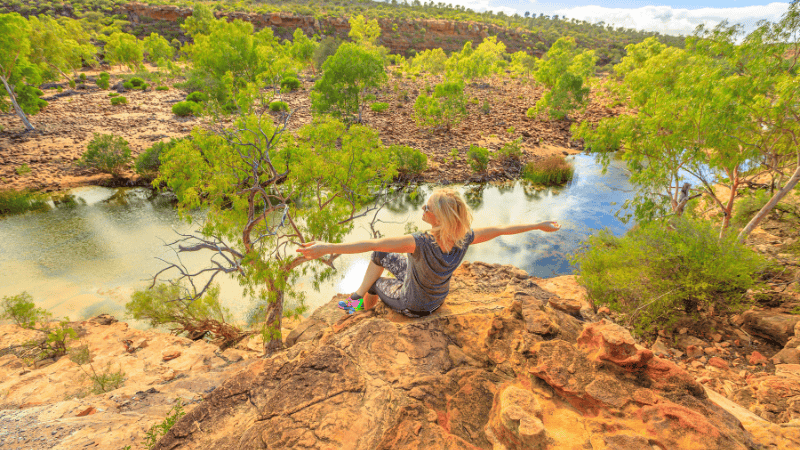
410, 161
278, 106
478, 158
149, 162
119, 101
21, 310
326, 48
103, 80
163, 306
107, 153
290, 84
18, 202
511, 151
197, 97
113, 94
23, 170
445, 108
128, 85
551, 170
82, 77
160, 429
137, 82
162, 88
186, 108
379, 106
654, 273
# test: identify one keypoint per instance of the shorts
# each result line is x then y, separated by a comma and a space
389, 289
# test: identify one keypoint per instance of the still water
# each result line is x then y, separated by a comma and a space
87, 259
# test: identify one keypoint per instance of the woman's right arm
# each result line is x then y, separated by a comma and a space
400, 244
489, 233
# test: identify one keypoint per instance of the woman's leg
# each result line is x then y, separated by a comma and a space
374, 272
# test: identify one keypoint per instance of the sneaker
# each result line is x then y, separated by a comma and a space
351, 306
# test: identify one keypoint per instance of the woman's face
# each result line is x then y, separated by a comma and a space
427, 214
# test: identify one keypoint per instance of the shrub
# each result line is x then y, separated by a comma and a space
128, 85
149, 161
197, 97
485, 107
326, 48
107, 153
163, 306
478, 158
379, 106
82, 77
23, 170
113, 94
137, 82
162, 88
103, 80
186, 108
410, 161
278, 106
655, 272
18, 202
511, 151
445, 108
551, 170
290, 84
160, 429
21, 310
119, 101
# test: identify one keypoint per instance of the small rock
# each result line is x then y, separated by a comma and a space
716, 337
719, 363
568, 305
168, 355
696, 364
87, 412
683, 330
756, 358
694, 351
659, 348
743, 373
169, 375
710, 351
603, 310
103, 319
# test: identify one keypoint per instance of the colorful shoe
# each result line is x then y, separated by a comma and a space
352, 305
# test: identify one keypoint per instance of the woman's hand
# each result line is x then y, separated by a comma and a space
313, 249
549, 227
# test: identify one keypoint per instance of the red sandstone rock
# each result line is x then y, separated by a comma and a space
718, 363
606, 341
757, 358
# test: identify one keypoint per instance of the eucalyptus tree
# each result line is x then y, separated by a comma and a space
60, 46
124, 49
265, 192
564, 71
479, 62
16, 70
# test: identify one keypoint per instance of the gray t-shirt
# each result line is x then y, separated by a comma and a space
427, 280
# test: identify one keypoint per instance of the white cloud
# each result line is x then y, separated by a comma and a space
668, 20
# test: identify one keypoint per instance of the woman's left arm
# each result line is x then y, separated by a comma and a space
400, 244
489, 233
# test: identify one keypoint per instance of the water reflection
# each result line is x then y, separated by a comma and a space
88, 256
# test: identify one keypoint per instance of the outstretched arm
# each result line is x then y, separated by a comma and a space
489, 233
401, 244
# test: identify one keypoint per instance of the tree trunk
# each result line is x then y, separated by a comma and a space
272, 323
771, 203
19, 111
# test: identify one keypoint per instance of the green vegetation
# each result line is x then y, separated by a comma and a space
478, 158
510, 152
379, 107
162, 88
103, 80
113, 94
104, 381
158, 430
166, 305
18, 202
551, 170
278, 106
149, 161
197, 97
119, 100
660, 271
444, 109
564, 71
21, 310
23, 170
186, 108
289, 84
410, 161
107, 153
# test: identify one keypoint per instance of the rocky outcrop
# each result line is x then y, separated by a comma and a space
496, 367
398, 35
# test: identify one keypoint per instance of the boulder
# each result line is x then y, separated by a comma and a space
778, 328
478, 373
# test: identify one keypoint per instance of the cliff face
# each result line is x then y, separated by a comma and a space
501, 366
399, 36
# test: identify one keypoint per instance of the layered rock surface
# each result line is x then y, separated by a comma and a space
496, 367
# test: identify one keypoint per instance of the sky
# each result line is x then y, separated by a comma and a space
667, 17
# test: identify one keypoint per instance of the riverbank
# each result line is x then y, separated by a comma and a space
495, 322
45, 159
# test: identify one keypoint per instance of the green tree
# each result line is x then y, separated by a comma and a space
364, 32
523, 64
124, 49
16, 71
266, 191
302, 48
59, 46
156, 48
432, 61
346, 78
479, 62
564, 72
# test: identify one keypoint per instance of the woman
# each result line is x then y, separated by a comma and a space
422, 279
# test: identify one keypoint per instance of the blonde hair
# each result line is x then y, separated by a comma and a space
454, 217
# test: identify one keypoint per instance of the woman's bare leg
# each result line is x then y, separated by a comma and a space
370, 301
374, 272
